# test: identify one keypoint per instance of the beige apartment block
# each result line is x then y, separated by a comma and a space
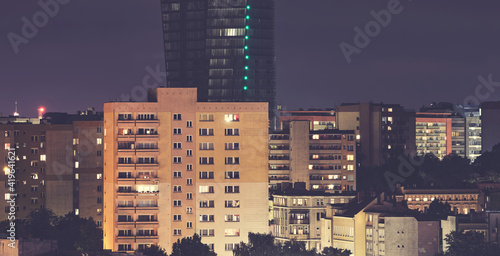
174, 167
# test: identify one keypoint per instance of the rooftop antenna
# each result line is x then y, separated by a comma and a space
15, 111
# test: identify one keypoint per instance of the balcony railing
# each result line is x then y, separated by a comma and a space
284, 167
279, 137
295, 221
325, 147
279, 147
279, 157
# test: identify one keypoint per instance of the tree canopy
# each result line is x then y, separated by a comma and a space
191, 246
71, 231
265, 245
468, 243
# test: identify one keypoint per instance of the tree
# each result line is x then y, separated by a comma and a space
265, 245
75, 233
438, 209
330, 251
295, 248
191, 247
469, 243
154, 250
40, 224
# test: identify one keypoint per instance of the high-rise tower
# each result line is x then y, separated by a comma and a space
225, 48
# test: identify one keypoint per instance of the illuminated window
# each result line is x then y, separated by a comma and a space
99, 176
99, 141
232, 232
77, 176
350, 157
77, 165
315, 137
43, 157
232, 117
7, 146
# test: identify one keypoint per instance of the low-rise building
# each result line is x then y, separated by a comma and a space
298, 213
377, 226
462, 201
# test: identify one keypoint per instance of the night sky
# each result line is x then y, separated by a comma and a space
94, 51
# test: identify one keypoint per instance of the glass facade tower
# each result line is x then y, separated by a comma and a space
225, 48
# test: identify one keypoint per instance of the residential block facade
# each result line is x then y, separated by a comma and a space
324, 159
175, 166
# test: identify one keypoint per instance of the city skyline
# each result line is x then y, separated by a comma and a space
431, 70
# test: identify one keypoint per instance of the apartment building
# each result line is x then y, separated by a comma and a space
473, 144
174, 166
58, 165
434, 134
490, 118
324, 159
383, 131
297, 214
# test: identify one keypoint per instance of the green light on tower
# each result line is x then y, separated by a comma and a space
248, 7
245, 88
247, 27
246, 67
246, 37
248, 17
247, 57
246, 77
246, 47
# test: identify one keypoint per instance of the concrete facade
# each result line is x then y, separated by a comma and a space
47, 173
382, 130
323, 159
174, 167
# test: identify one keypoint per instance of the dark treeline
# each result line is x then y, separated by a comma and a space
428, 171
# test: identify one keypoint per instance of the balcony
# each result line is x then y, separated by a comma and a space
325, 147
279, 137
298, 221
323, 167
279, 147
129, 190
324, 157
282, 157
279, 167
146, 221
324, 137
281, 177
